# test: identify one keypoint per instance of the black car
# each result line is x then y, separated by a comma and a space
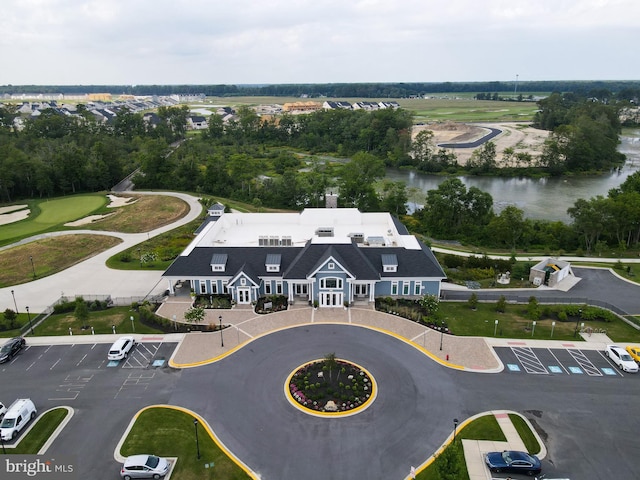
11, 348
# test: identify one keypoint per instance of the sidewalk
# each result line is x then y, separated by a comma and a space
474, 450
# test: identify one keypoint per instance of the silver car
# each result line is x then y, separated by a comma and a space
144, 466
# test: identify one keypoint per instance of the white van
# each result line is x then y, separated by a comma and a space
17, 417
120, 349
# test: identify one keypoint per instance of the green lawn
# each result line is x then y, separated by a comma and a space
101, 321
41, 431
483, 428
513, 324
169, 432
47, 215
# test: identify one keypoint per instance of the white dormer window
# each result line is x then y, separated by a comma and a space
272, 263
389, 263
331, 266
243, 281
218, 262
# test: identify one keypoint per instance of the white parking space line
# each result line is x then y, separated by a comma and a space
32, 364
529, 360
585, 363
610, 362
559, 362
52, 366
85, 356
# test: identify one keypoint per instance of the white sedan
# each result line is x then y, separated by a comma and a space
621, 358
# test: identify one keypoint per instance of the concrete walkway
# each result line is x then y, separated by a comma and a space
93, 277
474, 450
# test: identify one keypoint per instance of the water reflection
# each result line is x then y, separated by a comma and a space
543, 198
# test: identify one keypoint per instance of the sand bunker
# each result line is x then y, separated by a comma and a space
114, 202
10, 215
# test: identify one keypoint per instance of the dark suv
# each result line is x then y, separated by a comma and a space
11, 348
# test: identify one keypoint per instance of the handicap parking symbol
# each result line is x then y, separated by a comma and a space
555, 369
576, 370
513, 367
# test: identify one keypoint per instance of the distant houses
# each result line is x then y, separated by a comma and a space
105, 107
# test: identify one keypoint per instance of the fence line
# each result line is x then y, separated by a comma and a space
111, 302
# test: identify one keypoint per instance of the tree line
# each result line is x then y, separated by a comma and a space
278, 163
625, 89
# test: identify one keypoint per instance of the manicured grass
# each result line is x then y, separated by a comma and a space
52, 214
101, 321
513, 324
49, 256
168, 432
527, 436
40, 433
483, 428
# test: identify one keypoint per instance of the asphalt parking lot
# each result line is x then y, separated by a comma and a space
81, 377
558, 361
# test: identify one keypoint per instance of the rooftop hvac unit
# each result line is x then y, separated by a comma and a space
324, 232
357, 237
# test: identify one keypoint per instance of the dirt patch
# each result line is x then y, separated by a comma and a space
521, 137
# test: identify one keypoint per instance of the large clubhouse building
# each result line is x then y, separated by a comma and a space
328, 257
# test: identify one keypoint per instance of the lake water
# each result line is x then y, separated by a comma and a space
543, 198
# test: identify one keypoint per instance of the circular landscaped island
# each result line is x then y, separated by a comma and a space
330, 387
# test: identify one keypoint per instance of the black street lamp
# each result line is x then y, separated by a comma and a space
575, 332
195, 424
2, 442
221, 338
455, 427
29, 315
33, 267
14, 301
441, 333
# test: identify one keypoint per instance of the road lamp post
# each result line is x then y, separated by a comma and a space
441, 333
553, 325
32, 267
133, 327
455, 427
14, 301
29, 317
221, 338
195, 424
495, 328
2, 442
575, 333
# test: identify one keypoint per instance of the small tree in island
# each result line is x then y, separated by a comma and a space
330, 363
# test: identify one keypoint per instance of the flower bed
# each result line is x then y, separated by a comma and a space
331, 386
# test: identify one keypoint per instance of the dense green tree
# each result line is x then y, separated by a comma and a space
357, 179
590, 219
394, 197
451, 209
508, 227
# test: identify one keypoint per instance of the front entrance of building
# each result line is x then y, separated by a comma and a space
331, 299
244, 296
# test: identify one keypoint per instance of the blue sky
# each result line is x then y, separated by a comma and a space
322, 41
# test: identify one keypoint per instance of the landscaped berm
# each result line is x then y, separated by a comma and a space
331, 387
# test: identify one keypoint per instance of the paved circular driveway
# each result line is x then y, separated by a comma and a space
242, 397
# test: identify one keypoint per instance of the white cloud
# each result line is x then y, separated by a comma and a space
278, 41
